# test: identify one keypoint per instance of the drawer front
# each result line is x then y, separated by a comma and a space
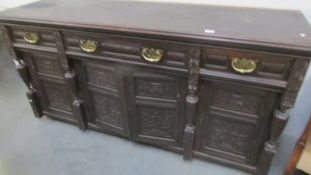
247, 63
157, 103
33, 36
232, 121
127, 49
101, 89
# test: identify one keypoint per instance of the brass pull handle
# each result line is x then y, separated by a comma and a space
31, 37
243, 65
88, 45
152, 55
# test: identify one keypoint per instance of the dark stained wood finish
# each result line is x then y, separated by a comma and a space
192, 101
300, 146
248, 25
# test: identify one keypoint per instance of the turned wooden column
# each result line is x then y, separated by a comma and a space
281, 116
23, 72
192, 100
71, 82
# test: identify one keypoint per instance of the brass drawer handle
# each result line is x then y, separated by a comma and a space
31, 37
243, 65
88, 45
152, 55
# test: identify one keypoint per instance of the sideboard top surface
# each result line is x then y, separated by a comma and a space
282, 28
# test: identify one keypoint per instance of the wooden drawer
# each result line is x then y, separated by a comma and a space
33, 36
247, 63
126, 49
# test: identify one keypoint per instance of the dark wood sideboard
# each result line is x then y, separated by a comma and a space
209, 82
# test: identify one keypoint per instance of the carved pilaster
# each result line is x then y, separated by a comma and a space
281, 115
192, 100
71, 82
294, 82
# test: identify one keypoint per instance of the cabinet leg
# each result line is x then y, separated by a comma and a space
280, 119
188, 141
78, 110
266, 159
34, 102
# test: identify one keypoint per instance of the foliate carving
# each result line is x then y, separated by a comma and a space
231, 136
107, 109
58, 95
101, 77
118, 46
238, 102
156, 88
294, 82
192, 100
194, 70
157, 122
48, 66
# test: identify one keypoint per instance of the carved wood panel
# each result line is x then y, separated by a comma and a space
155, 88
47, 64
101, 75
103, 94
156, 121
229, 135
107, 109
244, 100
57, 95
157, 102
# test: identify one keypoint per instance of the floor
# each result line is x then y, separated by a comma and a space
31, 146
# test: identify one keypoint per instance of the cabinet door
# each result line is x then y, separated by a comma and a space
102, 89
157, 107
47, 78
232, 121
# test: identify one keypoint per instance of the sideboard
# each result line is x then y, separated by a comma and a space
209, 82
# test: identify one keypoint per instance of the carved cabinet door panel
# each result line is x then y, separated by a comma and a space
47, 79
232, 121
102, 89
157, 107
